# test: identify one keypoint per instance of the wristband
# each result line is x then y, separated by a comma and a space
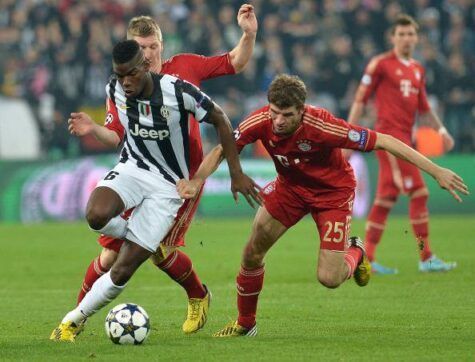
442, 130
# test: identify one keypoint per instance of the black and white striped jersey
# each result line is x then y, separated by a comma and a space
156, 128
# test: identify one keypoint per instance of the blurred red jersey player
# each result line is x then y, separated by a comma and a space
398, 83
194, 69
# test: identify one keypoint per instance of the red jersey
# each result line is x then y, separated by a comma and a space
400, 92
311, 157
194, 69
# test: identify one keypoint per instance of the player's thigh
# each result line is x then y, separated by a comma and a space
152, 220
412, 179
124, 184
266, 230
183, 219
283, 204
333, 227
389, 176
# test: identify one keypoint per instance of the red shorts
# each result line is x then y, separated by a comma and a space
176, 235
289, 204
396, 176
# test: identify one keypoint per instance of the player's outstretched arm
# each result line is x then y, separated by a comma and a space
81, 124
446, 178
189, 189
241, 54
240, 182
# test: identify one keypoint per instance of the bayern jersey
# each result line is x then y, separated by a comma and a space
156, 128
310, 157
399, 89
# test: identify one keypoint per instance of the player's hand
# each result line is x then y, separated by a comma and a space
346, 153
451, 182
246, 186
188, 189
80, 124
247, 20
447, 141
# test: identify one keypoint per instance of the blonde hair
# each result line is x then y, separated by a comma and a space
287, 91
143, 26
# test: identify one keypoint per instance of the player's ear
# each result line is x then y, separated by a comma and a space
146, 65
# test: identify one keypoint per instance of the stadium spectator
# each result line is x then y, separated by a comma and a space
36, 27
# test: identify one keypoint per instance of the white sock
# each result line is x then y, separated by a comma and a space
102, 292
116, 227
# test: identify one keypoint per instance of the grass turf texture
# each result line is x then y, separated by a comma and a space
410, 316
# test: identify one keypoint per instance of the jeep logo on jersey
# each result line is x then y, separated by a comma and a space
149, 134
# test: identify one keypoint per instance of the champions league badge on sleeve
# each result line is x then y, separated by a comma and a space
354, 135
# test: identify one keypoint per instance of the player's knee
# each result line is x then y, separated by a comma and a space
328, 280
252, 257
108, 257
97, 216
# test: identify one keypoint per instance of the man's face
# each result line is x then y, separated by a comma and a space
404, 39
152, 50
285, 121
131, 75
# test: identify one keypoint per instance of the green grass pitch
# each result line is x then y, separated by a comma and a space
410, 316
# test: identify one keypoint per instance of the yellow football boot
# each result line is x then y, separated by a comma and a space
197, 313
233, 329
67, 331
363, 270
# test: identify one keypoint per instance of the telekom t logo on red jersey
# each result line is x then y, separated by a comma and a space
405, 85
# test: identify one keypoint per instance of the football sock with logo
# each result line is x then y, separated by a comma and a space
179, 267
249, 285
375, 225
116, 227
93, 272
419, 216
102, 292
352, 257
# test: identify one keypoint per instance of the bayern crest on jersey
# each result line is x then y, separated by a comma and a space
304, 145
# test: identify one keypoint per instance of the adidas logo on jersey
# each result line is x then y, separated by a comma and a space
149, 134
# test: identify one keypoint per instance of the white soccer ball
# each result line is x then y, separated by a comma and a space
127, 323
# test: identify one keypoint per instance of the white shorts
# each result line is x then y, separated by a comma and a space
156, 203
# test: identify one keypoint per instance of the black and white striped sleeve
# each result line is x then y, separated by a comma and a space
195, 101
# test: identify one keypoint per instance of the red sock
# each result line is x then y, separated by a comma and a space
179, 267
376, 224
249, 285
94, 271
419, 216
352, 258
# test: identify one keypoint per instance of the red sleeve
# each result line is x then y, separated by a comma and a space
370, 80
112, 121
336, 132
423, 103
248, 130
210, 67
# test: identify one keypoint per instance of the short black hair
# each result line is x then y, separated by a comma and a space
125, 51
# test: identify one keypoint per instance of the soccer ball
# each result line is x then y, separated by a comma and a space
127, 323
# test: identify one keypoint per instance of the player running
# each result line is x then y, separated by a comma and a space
313, 177
153, 109
398, 83
194, 69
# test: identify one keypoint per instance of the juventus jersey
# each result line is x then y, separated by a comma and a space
156, 128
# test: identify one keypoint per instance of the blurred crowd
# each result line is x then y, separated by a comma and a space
56, 54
